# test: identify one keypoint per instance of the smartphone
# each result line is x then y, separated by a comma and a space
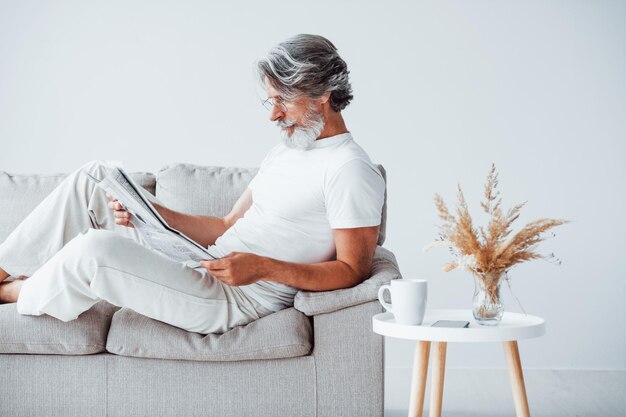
450, 323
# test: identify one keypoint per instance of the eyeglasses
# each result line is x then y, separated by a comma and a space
271, 102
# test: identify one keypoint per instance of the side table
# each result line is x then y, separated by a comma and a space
513, 327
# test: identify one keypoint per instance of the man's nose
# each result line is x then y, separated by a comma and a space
276, 113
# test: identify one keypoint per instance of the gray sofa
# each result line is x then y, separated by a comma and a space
318, 358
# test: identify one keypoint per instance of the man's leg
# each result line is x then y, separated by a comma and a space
103, 265
73, 207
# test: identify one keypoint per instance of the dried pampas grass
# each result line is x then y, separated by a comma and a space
489, 252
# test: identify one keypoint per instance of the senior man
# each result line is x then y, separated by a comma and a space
308, 220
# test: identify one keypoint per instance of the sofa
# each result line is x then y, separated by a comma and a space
317, 358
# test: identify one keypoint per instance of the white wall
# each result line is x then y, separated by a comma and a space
442, 89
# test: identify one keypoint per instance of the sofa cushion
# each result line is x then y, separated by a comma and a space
47, 335
20, 194
384, 269
212, 191
284, 334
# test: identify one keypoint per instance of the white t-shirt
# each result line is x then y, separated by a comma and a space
297, 198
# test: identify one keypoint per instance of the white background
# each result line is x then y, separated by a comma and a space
442, 89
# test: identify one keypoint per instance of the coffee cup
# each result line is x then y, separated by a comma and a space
408, 300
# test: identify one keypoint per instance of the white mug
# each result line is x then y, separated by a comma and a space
408, 300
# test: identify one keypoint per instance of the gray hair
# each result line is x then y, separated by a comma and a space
309, 65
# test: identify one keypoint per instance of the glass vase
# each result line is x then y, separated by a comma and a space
487, 307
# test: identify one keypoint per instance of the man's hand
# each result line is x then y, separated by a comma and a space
122, 217
236, 268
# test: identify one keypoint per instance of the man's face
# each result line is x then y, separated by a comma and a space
301, 120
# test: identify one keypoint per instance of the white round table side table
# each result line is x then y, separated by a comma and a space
512, 328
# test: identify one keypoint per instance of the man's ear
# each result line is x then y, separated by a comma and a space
325, 97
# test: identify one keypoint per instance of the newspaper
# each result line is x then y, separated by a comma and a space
147, 220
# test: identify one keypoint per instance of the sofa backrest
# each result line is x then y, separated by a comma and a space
191, 189
212, 191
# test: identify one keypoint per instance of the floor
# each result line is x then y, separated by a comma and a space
487, 393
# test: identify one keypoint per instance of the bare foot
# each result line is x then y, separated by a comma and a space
9, 291
3, 274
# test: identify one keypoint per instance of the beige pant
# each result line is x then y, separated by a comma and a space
75, 255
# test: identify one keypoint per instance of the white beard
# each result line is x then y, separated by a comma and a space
303, 136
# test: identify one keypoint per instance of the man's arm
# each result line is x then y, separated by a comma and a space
355, 250
206, 229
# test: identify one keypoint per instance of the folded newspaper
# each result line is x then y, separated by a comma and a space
147, 220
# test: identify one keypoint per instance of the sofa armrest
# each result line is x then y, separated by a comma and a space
384, 269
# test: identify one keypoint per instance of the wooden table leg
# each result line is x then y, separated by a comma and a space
418, 383
437, 376
517, 379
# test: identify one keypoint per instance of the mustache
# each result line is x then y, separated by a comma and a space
285, 123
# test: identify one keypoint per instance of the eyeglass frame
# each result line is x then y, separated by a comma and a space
271, 102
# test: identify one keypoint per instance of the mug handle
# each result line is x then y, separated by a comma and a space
381, 290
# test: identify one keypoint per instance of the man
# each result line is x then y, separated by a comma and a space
308, 220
